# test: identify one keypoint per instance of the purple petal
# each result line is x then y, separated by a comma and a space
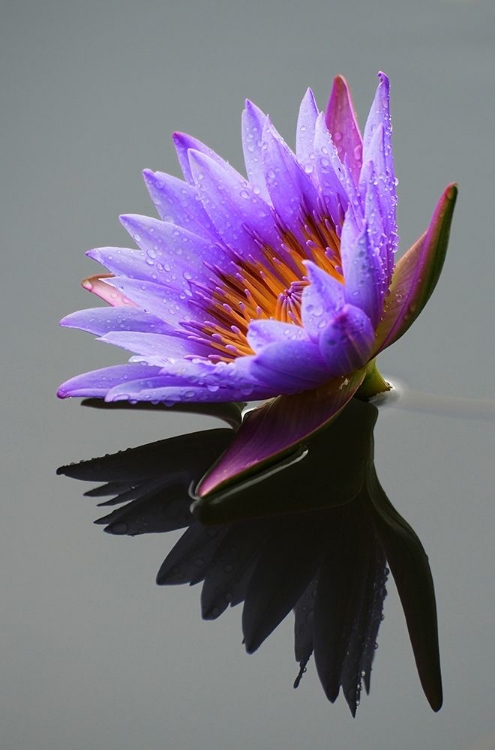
377, 147
97, 383
381, 242
183, 144
177, 202
290, 366
278, 426
264, 332
196, 381
235, 210
156, 348
332, 178
342, 124
347, 341
166, 302
253, 122
170, 254
102, 320
292, 192
305, 132
320, 299
362, 269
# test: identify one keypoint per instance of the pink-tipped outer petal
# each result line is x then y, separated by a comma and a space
416, 274
278, 426
342, 124
97, 285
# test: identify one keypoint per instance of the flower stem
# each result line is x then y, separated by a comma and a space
373, 383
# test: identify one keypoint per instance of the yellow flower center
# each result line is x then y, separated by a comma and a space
268, 288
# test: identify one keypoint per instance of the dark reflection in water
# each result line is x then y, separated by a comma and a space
314, 534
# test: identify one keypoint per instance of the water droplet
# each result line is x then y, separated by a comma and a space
337, 136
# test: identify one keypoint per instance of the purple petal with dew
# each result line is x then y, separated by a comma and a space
347, 341
320, 299
99, 285
162, 348
290, 366
362, 269
278, 426
342, 124
253, 121
335, 182
102, 320
166, 302
292, 192
379, 239
378, 148
97, 383
305, 130
416, 274
177, 202
172, 254
264, 332
237, 213
201, 381
183, 143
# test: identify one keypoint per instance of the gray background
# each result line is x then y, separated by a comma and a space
92, 653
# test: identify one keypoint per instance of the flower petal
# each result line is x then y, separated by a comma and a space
97, 383
278, 426
362, 269
320, 299
177, 202
253, 122
377, 147
416, 274
156, 348
170, 254
264, 332
342, 124
305, 129
292, 192
347, 341
235, 210
165, 302
290, 366
102, 320
183, 144
99, 285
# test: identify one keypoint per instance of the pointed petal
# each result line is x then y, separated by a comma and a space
253, 122
169, 254
177, 202
417, 273
377, 147
305, 132
98, 284
236, 212
292, 192
183, 144
166, 302
347, 341
97, 383
102, 320
342, 123
276, 427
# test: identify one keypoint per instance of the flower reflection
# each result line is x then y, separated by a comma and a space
313, 534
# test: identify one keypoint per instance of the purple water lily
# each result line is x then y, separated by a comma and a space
279, 284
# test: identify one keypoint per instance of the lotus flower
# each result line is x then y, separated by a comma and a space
278, 284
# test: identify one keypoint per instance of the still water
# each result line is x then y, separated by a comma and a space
93, 653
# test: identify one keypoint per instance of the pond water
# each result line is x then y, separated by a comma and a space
93, 653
